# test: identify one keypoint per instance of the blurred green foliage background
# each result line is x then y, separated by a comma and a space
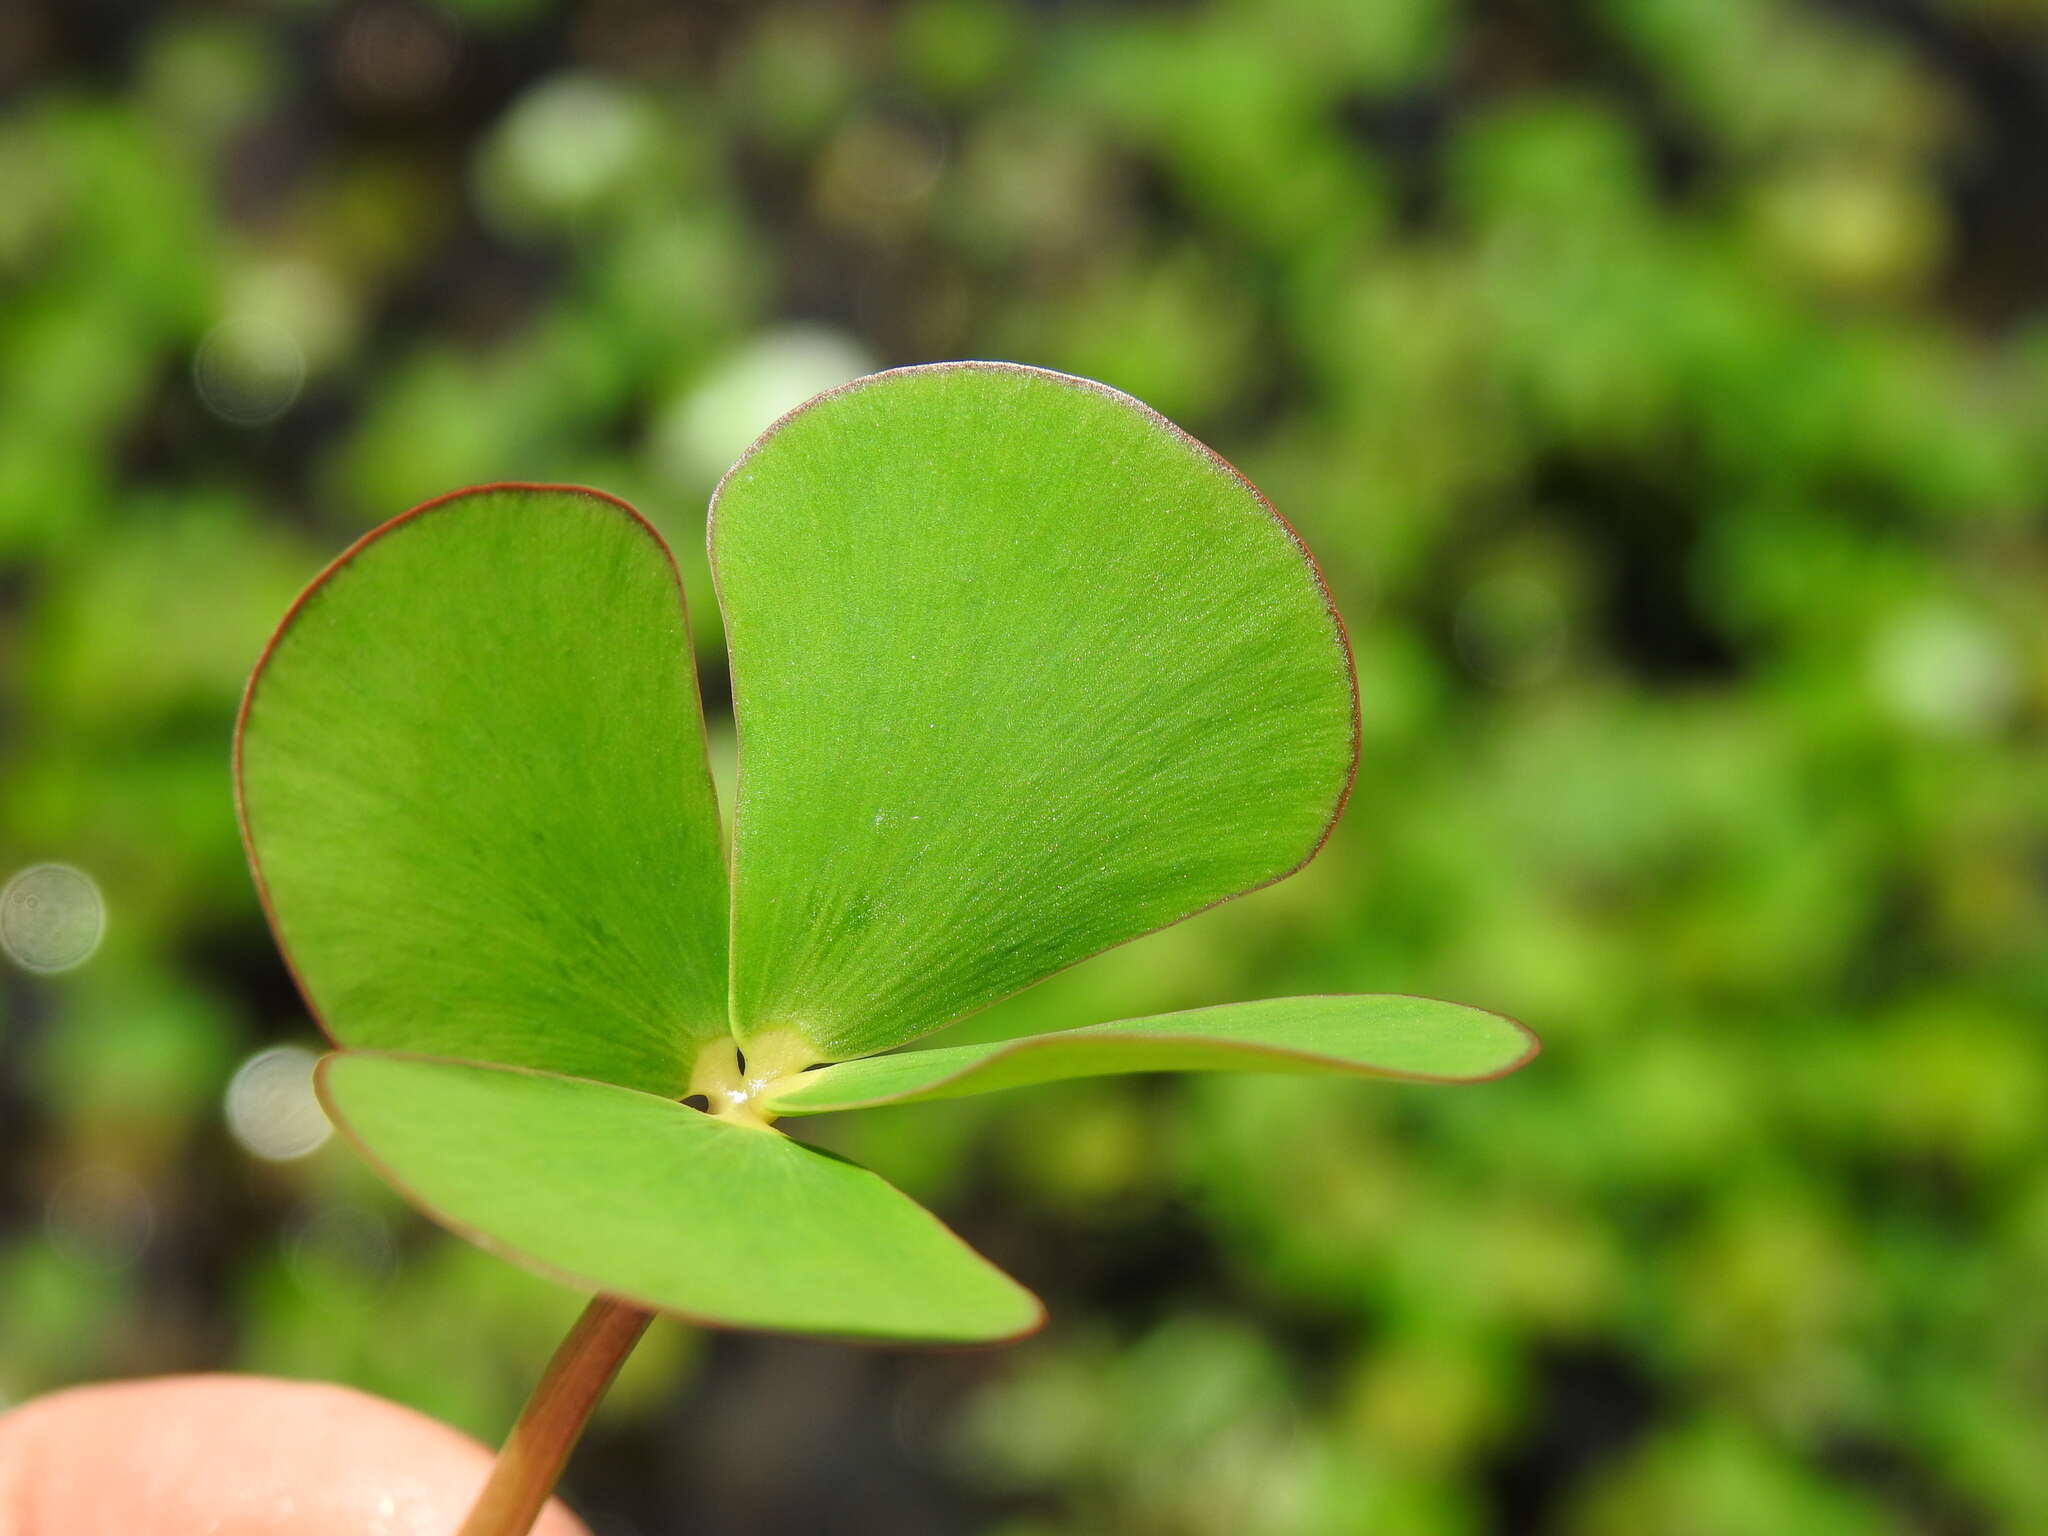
1665, 386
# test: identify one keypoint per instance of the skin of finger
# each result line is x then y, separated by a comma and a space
237, 1456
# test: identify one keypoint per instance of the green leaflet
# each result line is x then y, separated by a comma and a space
1021, 672
473, 787
607, 1188
1413, 1038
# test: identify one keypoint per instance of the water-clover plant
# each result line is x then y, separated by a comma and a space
1019, 672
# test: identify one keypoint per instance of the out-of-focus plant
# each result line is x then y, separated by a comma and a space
1020, 671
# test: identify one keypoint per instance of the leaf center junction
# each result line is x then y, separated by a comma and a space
732, 1082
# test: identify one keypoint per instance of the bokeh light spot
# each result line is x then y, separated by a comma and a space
564, 148
271, 1107
342, 1248
51, 918
1945, 672
101, 1217
395, 55
248, 371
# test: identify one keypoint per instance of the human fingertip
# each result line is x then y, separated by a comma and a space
237, 1456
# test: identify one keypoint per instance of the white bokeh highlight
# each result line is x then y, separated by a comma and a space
271, 1107
52, 918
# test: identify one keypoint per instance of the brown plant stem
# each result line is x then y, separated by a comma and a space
531, 1459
